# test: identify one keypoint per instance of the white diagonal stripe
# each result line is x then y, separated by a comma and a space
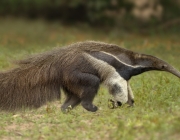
137, 66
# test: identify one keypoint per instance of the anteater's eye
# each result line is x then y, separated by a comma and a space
164, 66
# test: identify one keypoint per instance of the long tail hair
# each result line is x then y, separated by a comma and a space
34, 82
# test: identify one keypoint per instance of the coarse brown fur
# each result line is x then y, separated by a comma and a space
38, 79
78, 69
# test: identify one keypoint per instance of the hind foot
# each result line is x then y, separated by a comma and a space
89, 106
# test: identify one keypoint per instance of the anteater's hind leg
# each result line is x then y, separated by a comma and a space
84, 86
88, 96
71, 100
89, 84
130, 95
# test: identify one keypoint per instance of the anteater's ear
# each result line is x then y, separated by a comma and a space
137, 56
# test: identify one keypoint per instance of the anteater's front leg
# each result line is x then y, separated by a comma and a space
130, 95
118, 88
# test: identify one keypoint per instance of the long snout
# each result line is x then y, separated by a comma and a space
174, 71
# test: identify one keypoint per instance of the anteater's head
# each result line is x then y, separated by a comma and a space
164, 66
154, 63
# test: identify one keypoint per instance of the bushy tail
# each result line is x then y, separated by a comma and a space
29, 85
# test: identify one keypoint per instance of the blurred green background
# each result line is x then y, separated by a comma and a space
122, 13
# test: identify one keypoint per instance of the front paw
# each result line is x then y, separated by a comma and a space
131, 103
113, 104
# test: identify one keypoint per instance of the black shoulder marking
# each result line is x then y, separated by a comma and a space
121, 68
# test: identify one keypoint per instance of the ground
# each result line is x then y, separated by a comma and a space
156, 114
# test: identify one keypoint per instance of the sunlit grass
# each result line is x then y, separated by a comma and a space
156, 114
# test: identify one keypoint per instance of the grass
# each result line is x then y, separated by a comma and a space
156, 114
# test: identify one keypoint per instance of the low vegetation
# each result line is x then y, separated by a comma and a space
155, 116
